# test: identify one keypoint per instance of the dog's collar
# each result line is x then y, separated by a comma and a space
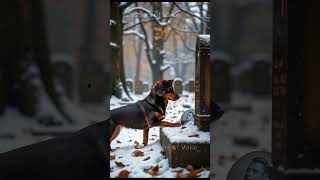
152, 104
145, 113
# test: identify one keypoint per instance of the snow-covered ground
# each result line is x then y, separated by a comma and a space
16, 129
235, 123
123, 157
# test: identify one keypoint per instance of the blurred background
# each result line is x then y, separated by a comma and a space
242, 80
153, 41
54, 69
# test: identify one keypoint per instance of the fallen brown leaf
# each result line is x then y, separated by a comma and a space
119, 142
137, 153
147, 158
123, 174
120, 164
192, 175
152, 171
154, 135
183, 127
162, 152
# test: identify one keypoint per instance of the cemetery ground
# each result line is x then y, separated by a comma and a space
245, 127
145, 162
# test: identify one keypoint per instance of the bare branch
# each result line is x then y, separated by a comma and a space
146, 40
124, 5
135, 33
152, 16
206, 19
132, 26
182, 30
193, 20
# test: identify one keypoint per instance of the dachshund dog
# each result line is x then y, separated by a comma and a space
146, 113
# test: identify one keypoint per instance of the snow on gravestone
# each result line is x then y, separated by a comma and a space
177, 85
187, 144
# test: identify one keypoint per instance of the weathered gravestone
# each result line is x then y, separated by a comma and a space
187, 144
202, 83
190, 85
177, 85
138, 87
130, 84
221, 77
145, 87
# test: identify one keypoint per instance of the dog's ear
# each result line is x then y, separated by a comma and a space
158, 88
170, 81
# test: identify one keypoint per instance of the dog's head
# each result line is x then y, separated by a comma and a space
165, 89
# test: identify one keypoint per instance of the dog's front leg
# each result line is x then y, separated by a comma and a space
145, 136
169, 124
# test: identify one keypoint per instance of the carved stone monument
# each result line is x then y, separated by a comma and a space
202, 83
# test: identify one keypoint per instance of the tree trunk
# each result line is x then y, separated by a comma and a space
138, 58
158, 36
117, 53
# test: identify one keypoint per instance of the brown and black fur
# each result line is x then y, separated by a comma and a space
151, 109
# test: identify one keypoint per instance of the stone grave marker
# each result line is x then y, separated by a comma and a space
130, 84
145, 87
138, 87
202, 84
177, 85
190, 86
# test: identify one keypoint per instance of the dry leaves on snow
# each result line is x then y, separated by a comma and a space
152, 171
120, 164
119, 142
137, 153
123, 174
193, 172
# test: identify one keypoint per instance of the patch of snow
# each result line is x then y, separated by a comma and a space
112, 22
114, 45
136, 33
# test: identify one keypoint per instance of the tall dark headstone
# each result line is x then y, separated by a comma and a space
202, 83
